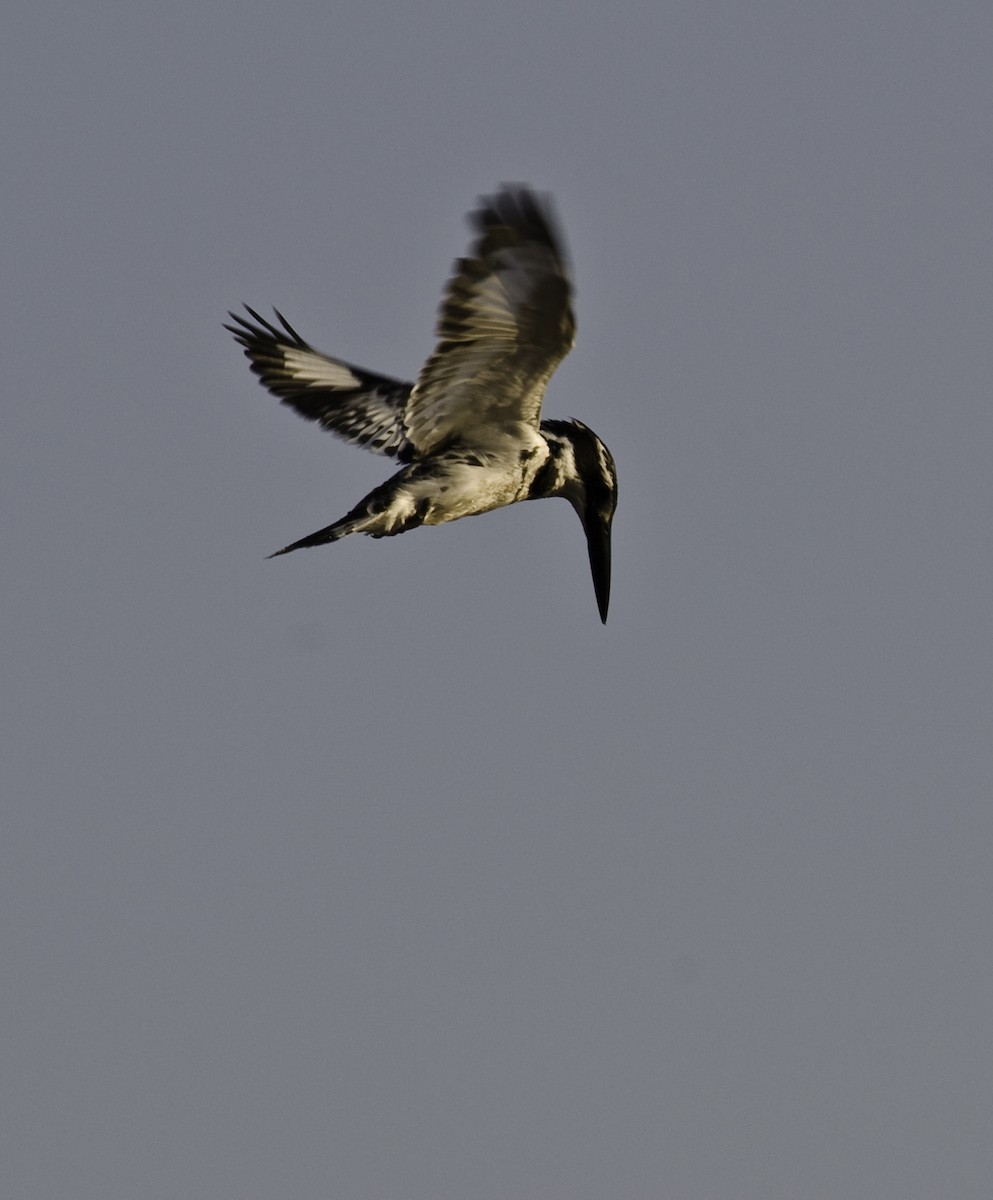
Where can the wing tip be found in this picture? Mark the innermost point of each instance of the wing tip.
(525, 210)
(244, 329)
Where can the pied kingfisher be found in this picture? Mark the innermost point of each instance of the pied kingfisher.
(468, 430)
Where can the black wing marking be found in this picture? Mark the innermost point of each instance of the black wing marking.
(354, 404)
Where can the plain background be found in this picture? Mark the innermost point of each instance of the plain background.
(384, 871)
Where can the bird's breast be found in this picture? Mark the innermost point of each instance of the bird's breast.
(468, 479)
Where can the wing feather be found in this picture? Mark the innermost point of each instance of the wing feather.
(505, 323)
(355, 405)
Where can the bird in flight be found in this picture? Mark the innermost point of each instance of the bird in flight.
(468, 432)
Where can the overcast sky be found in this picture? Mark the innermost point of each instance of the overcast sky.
(384, 871)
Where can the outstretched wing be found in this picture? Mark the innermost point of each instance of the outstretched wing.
(505, 323)
(356, 405)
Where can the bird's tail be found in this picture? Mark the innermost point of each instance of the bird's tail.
(390, 509)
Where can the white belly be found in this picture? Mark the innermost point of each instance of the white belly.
(476, 480)
(458, 482)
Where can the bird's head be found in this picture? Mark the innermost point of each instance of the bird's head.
(589, 483)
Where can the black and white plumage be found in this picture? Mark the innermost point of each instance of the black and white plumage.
(468, 431)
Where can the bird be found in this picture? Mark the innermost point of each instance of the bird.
(468, 432)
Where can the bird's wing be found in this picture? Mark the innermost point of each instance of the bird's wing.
(356, 405)
(505, 323)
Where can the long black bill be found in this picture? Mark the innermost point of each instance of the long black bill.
(598, 541)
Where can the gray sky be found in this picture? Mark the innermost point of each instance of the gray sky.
(383, 871)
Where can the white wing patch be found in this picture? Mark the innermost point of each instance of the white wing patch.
(317, 370)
